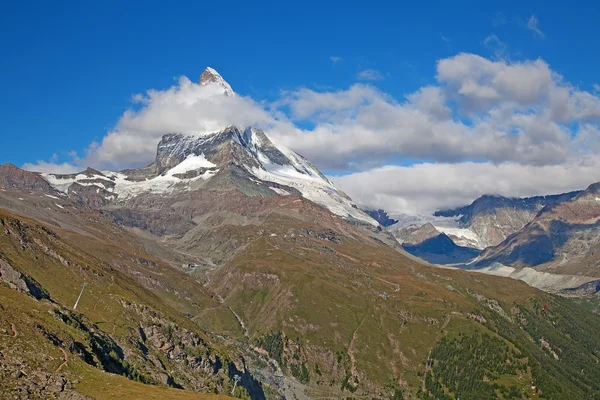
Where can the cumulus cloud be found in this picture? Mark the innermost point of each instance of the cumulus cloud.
(482, 122)
(370, 75)
(423, 188)
(187, 107)
(51, 167)
(480, 109)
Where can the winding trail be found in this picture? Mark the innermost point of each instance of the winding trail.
(14, 330)
(353, 370)
(65, 362)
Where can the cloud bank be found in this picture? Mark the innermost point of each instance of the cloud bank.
(485, 126)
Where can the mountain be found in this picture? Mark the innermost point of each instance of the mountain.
(13, 177)
(563, 237)
(427, 243)
(493, 218)
(245, 158)
(210, 77)
(203, 185)
(229, 256)
(382, 217)
(310, 307)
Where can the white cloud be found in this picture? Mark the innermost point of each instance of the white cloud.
(532, 25)
(519, 112)
(186, 108)
(335, 59)
(370, 75)
(53, 167)
(479, 83)
(445, 39)
(511, 117)
(423, 188)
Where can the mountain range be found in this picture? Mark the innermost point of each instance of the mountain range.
(231, 266)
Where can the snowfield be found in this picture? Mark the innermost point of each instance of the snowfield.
(310, 183)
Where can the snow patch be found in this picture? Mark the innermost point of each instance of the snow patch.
(279, 191)
(463, 236)
(191, 163)
(313, 186)
(162, 184)
(62, 184)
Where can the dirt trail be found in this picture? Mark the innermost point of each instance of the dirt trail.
(65, 362)
(353, 370)
(14, 330)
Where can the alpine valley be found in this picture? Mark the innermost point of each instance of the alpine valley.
(231, 266)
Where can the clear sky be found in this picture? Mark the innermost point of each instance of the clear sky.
(70, 68)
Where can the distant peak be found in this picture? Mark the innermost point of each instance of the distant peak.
(210, 76)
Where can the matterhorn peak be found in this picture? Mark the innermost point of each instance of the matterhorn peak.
(211, 77)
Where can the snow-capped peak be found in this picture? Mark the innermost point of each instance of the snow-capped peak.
(184, 162)
(211, 77)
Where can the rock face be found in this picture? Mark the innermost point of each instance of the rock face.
(494, 218)
(211, 77)
(382, 217)
(562, 234)
(414, 234)
(246, 154)
(13, 177)
(428, 243)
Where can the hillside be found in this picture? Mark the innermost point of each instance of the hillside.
(119, 326)
(324, 308)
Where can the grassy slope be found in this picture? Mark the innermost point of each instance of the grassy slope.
(366, 317)
(357, 318)
(33, 353)
(109, 314)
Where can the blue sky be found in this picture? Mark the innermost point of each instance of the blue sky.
(71, 68)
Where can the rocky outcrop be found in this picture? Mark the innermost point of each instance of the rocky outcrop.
(494, 218)
(13, 177)
(382, 217)
(427, 243)
(90, 195)
(413, 234)
(211, 77)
